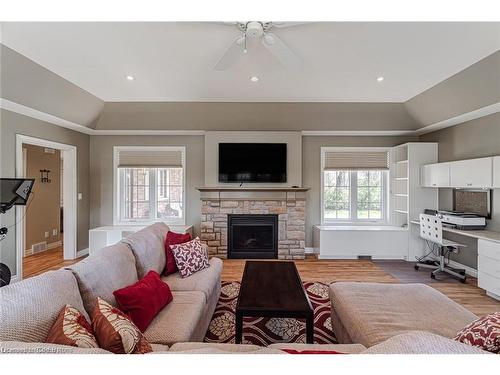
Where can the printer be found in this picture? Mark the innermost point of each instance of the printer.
(462, 220)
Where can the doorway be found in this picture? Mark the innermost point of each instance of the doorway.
(46, 230)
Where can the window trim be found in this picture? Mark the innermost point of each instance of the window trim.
(153, 193)
(385, 189)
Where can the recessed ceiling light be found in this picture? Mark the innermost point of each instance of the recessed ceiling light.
(380, 79)
(254, 79)
(129, 78)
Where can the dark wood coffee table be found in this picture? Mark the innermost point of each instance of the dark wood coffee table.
(273, 290)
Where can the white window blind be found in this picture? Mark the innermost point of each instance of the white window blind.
(356, 160)
(152, 158)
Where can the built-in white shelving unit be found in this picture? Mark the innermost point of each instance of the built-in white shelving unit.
(407, 198)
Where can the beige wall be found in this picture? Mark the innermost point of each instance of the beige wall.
(473, 88)
(311, 168)
(101, 173)
(472, 139)
(11, 124)
(294, 154)
(221, 116)
(27, 83)
(43, 214)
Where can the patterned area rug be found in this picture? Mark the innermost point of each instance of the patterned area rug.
(265, 331)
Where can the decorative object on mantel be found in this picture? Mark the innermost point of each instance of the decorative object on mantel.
(44, 176)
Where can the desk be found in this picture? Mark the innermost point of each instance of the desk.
(487, 235)
(488, 262)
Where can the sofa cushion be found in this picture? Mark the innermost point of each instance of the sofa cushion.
(216, 348)
(190, 257)
(73, 329)
(148, 246)
(18, 347)
(143, 300)
(173, 239)
(420, 342)
(29, 308)
(178, 321)
(204, 281)
(116, 332)
(100, 274)
(483, 333)
(373, 312)
(340, 348)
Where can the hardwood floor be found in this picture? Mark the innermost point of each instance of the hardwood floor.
(327, 271)
(45, 261)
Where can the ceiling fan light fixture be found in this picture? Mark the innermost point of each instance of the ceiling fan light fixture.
(254, 79)
(380, 79)
(129, 78)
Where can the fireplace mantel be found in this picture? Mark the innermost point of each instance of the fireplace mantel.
(247, 188)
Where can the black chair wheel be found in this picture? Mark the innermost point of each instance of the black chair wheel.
(463, 281)
(433, 276)
(416, 267)
(462, 273)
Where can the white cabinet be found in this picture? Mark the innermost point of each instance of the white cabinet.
(488, 267)
(496, 171)
(435, 175)
(472, 173)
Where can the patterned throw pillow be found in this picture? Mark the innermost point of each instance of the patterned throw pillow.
(71, 328)
(483, 333)
(190, 257)
(115, 332)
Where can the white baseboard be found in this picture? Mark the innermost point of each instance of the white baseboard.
(468, 270)
(83, 252)
(53, 245)
(355, 257)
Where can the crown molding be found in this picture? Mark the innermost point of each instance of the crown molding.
(357, 133)
(43, 116)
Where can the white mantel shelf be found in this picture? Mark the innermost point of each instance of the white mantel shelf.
(245, 188)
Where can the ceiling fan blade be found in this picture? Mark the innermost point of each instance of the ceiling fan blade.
(284, 25)
(281, 51)
(232, 54)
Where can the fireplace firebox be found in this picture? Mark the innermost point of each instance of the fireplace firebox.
(252, 236)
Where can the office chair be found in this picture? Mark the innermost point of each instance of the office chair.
(431, 229)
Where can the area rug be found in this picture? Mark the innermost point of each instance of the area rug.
(266, 331)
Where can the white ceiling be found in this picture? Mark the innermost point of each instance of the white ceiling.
(174, 61)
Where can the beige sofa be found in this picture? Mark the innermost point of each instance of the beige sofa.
(364, 315)
(29, 308)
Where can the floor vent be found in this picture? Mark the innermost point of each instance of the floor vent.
(36, 248)
(364, 257)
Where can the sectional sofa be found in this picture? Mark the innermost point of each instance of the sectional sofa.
(29, 308)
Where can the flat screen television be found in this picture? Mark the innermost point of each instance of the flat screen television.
(252, 162)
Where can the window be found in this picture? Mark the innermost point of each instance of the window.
(356, 195)
(150, 185)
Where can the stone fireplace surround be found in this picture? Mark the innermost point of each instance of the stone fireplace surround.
(288, 203)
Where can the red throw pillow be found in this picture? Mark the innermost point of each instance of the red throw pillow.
(115, 332)
(190, 257)
(173, 239)
(293, 351)
(143, 300)
(483, 333)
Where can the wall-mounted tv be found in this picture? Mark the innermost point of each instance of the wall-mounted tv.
(252, 162)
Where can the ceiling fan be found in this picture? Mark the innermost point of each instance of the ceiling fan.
(255, 31)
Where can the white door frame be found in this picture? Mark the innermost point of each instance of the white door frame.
(69, 197)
